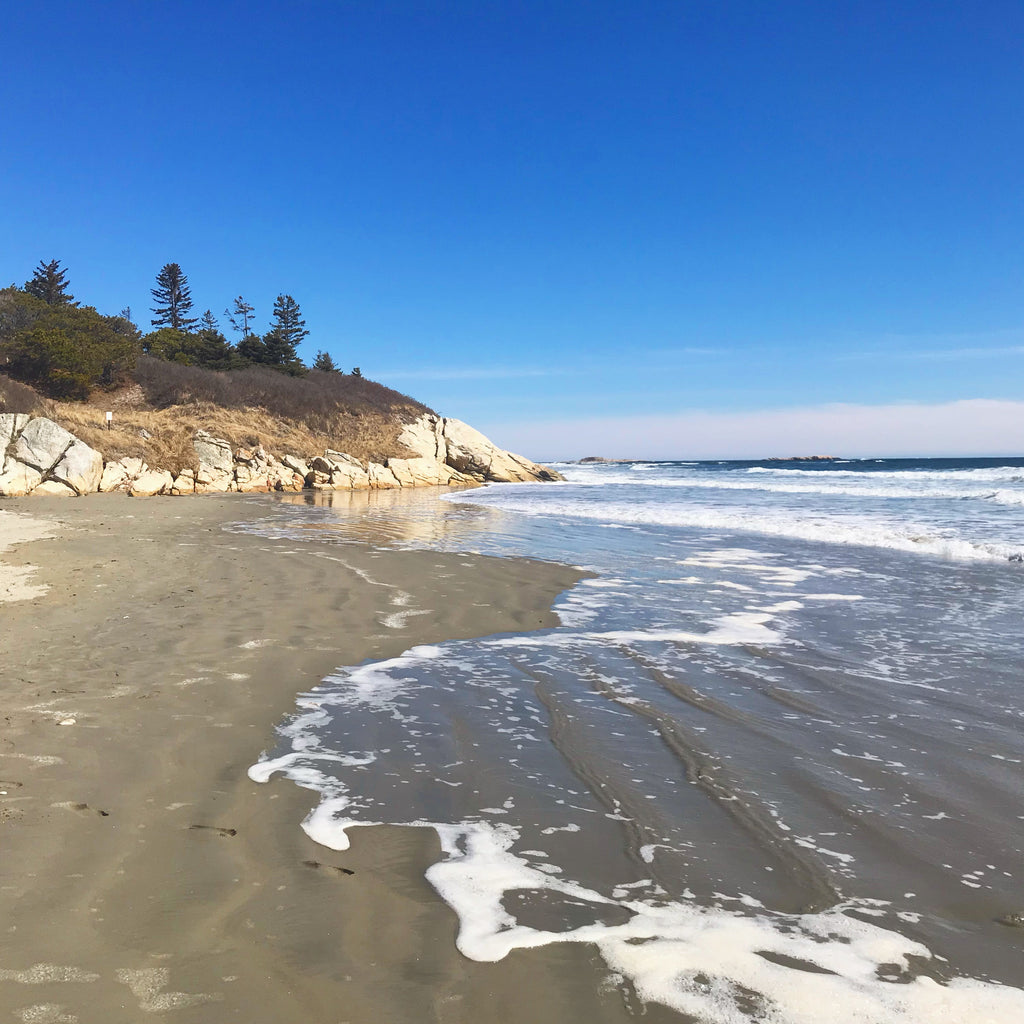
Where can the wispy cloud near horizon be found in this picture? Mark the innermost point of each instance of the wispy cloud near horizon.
(470, 373)
(939, 354)
(961, 428)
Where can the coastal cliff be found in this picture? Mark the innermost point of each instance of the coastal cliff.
(40, 457)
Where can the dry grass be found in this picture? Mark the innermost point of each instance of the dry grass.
(367, 436)
(157, 414)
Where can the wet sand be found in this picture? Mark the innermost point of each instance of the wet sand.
(140, 866)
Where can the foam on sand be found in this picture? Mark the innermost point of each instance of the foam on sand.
(729, 966)
(14, 579)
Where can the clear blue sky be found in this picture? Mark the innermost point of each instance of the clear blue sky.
(522, 212)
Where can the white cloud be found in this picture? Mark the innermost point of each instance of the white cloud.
(969, 427)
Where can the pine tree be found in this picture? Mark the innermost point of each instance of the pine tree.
(210, 348)
(252, 349)
(287, 330)
(288, 322)
(49, 283)
(174, 299)
(239, 315)
(324, 363)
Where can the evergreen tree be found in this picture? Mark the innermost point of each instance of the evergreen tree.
(288, 323)
(252, 349)
(356, 372)
(174, 299)
(325, 363)
(281, 354)
(63, 349)
(50, 283)
(126, 314)
(208, 347)
(287, 330)
(239, 315)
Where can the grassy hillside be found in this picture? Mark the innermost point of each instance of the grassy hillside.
(161, 405)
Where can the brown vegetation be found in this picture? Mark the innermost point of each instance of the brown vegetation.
(156, 417)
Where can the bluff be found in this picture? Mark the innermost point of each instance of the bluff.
(39, 457)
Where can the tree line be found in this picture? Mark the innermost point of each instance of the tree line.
(49, 339)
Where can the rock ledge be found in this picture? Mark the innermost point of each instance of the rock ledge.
(38, 456)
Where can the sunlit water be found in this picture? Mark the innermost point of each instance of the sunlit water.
(772, 757)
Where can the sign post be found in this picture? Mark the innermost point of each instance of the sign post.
(110, 416)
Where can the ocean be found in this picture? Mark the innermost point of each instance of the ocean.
(770, 764)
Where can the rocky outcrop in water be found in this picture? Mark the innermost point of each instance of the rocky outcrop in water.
(39, 457)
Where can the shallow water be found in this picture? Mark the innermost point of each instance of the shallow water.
(757, 769)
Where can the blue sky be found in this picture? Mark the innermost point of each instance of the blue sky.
(548, 219)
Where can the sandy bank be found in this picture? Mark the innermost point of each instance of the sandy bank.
(139, 862)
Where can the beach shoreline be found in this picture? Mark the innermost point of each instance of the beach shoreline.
(142, 868)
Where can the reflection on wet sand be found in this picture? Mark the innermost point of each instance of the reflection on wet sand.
(413, 517)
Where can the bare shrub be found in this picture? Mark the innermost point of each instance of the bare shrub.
(315, 400)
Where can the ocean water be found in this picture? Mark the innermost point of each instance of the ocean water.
(772, 759)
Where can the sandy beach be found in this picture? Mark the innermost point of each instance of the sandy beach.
(146, 661)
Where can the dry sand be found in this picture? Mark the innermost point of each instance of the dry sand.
(141, 871)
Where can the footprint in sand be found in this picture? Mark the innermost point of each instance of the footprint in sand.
(70, 805)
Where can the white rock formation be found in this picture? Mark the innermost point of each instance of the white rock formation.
(37, 456)
(17, 479)
(54, 489)
(468, 452)
(42, 444)
(11, 424)
(154, 481)
(81, 468)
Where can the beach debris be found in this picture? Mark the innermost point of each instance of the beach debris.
(1013, 920)
(225, 833)
(330, 868)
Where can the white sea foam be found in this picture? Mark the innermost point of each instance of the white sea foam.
(868, 529)
(708, 962)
